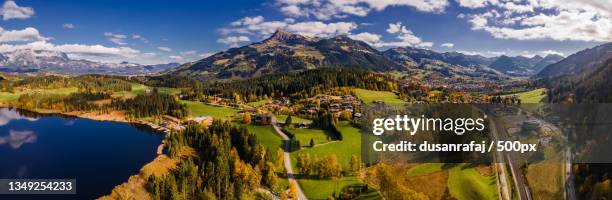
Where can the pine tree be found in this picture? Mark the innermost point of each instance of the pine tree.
(288, 121)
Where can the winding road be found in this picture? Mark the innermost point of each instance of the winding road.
(287, 159)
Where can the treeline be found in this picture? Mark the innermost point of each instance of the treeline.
(78, 101)
(173, 81)
(327, 121)
(154, 104)
(84, 83)
(101, 83)
(297, 85)
(229, 164)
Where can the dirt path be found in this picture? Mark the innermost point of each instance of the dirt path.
(287, 159)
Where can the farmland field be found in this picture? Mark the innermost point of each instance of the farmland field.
(369, 96)
(197, 109)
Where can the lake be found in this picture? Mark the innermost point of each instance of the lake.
(98, 154)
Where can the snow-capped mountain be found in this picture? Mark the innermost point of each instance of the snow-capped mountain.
(26, 60)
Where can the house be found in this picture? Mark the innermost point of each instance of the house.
(262, 119)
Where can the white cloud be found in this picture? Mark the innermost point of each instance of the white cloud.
(257, 26)
(190, 52)
(83, 51)
(394, 28)
(551, 52)
(10, 10)
(116, 38)
(25, 35)
(177, 58)
(139, 37)
(559, 20)
(292, 10)
(369, 38)
(485, 53)
(320, 29)
(166, 49)
(447, 45)
(406, 37)
(68, 26)
(30, 39)
(328, 9)
(233, 40)
(476, 3)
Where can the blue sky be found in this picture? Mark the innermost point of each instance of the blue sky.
(157, 31)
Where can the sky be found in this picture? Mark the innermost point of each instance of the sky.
(157, 31)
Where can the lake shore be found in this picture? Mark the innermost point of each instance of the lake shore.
(134, 187)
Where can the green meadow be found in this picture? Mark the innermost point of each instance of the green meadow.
(533, 96)
(465, 183)
(305, 134)
(369, 96)
(267, 137)
(294, 119)
(197, 109)
(351, 145)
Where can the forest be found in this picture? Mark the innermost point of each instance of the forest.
(229, 164)
(153, 104)
(296, 85)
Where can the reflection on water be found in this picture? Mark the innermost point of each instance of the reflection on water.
(7, 115)
(17, 138)
(98, 154)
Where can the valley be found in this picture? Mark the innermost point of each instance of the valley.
(220, 115)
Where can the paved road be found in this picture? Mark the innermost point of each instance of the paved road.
(287, 159)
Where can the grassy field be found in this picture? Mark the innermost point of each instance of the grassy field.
(258, 103)
(200, 109)
(351, 145)
(533, 96)
(322, 189)
(546, 180)
(369, 96)
(140, 88)
(294, 119)
(425, 169)
(268, 137)
(305, 134)
(6, 97)
(465, 182)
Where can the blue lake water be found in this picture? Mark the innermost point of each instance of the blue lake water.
(98, 154)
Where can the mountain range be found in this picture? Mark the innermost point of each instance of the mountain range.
(27, 60)
(580, 62)
(584, 77)
(284, 52)
(523, 66)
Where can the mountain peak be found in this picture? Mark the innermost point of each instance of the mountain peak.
(282, 35)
